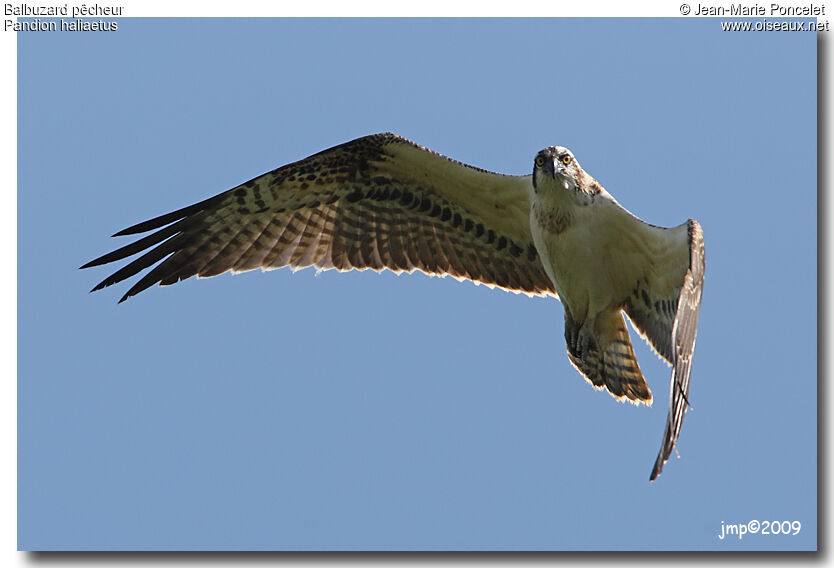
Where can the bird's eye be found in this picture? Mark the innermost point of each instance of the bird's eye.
(539, 161)
(566, 159)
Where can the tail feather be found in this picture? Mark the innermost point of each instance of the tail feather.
(606, 359)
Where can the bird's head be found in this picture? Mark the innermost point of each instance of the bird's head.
(556, 168)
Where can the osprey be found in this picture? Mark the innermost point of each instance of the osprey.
(384, 202)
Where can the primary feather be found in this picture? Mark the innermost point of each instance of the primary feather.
(379, 202)
(384, 202)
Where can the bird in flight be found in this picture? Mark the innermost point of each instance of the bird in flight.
(384, 202)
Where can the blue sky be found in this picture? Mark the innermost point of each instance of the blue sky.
(371, 411)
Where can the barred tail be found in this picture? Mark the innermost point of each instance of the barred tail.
(605, 357)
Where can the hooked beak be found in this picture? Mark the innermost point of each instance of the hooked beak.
(557, 167)
(551, 167)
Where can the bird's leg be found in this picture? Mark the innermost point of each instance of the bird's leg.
(583, 350)
(579, 337)
(586, 343)
(571, 333)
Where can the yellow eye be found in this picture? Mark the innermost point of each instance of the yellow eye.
(539, 161)
(566, 159)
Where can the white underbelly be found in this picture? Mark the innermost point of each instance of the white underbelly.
(585, 270)
(566, 262)
(598, 259)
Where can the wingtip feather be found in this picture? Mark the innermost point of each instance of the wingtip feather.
(658, 467)
(102, 285)
(132, 230)
(95, 262)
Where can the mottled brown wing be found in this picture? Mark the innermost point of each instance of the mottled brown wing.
(683, 339)
(653, 303)
(376, 202)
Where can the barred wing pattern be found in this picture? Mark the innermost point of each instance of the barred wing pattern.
(683, 335)
(663, 307)
(376, 202)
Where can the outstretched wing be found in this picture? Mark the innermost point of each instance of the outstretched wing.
(684, 330)
(376, 202)
(664, 308)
